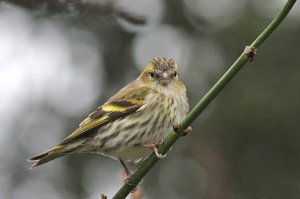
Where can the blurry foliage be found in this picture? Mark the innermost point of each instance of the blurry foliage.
(245, 145)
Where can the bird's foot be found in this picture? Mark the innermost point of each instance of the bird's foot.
(153, 147)
(126, 176)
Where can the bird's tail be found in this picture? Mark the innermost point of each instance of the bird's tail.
(47, 156)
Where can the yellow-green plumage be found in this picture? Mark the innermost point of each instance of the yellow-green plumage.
(141, 113)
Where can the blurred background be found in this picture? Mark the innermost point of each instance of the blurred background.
(59, 60)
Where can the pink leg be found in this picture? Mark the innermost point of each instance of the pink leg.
(153, 147)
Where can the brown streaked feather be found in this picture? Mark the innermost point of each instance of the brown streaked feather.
(79, 133)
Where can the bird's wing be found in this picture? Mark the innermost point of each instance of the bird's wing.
(127, 101)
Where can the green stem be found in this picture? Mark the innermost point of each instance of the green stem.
(201, 105)
(274, 24)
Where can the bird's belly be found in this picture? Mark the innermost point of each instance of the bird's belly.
(132, 150)
(126, 143)
(132, 154)
(124, 137)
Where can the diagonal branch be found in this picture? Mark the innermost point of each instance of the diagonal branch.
(172, 137)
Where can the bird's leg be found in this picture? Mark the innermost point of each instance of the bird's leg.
(153, 147)
(127, 172)
(182, 132)
(127, 175)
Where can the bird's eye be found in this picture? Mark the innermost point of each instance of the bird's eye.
(152, 74)
(175, 74)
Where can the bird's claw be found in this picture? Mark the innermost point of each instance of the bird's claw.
(126, 181)
(158, 155)
(153, 147)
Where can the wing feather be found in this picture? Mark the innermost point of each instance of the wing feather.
(124, 103)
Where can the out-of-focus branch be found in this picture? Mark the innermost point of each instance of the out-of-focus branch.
(79, 8)
(173, 136)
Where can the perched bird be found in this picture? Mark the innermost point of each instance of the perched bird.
(130, 124)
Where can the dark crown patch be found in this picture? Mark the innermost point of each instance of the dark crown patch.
(163, 63)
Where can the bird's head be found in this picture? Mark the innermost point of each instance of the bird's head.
(161, 71)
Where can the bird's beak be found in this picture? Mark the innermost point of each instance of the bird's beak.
(165, 75)
(164, 79)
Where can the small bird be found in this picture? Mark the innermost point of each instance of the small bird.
(133, 122)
